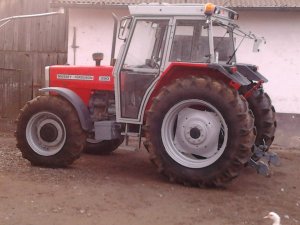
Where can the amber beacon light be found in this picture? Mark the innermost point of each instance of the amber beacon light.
(209, 9)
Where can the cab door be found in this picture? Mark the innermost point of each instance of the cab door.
(140, 65)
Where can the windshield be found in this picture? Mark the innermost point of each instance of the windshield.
(147, 44)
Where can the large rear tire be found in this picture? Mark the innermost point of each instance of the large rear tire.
(199, 132)
(49, 132)
(264, 115)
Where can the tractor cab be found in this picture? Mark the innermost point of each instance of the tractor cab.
(159, 36)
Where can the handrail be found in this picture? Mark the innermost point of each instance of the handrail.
(11, 18)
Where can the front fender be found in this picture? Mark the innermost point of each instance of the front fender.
(81, 109)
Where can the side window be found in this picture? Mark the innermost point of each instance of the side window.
(147, 44)
(190, 42)
(223, 44)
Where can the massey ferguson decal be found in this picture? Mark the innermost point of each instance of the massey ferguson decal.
(104, 78)
(74, 77)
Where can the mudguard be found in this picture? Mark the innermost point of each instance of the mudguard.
(250, 71)
(75, 100)
(236, 77)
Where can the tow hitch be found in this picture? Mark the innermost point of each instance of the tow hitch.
(265, 160)
(254, 88)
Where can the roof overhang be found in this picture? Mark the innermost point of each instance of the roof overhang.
(94, 5)
(125, 3)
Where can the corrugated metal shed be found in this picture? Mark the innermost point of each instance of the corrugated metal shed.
(229, 3)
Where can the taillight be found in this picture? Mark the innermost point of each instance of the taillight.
(233, 69)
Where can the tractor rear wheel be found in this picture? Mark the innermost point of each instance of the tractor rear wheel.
(199, 132)
(264, 114)
(103, 147)
(49, 132)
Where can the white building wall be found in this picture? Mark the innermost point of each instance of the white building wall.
(279, 60)
(94, 34)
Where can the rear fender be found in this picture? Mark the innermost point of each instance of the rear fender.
(81, 109)
(236, 77)
(178, 70)
(250, 72)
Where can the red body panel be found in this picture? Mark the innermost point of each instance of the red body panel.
(176, 70)
(82, 80)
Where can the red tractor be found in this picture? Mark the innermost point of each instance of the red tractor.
(175, 85)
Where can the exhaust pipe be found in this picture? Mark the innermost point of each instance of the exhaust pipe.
(113, 47)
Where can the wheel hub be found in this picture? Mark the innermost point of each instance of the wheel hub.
(197, 132)
(194, 133)
(49, 132)
(46, 133)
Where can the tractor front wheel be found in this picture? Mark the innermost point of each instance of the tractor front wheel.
(199, 132)
(49, 132)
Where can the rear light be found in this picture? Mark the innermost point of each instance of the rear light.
(233, 69)
(235, 85)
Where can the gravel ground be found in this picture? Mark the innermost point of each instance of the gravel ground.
(124, 188)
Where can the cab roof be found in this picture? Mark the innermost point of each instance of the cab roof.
(165, 9)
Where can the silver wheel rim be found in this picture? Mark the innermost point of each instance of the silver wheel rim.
(45, 133)
(194, 133)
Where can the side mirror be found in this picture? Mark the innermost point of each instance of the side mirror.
(257, 44)
(124, 25)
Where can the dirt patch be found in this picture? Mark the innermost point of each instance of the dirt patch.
(124, 188)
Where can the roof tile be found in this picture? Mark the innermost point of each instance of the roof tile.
(228, 3)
